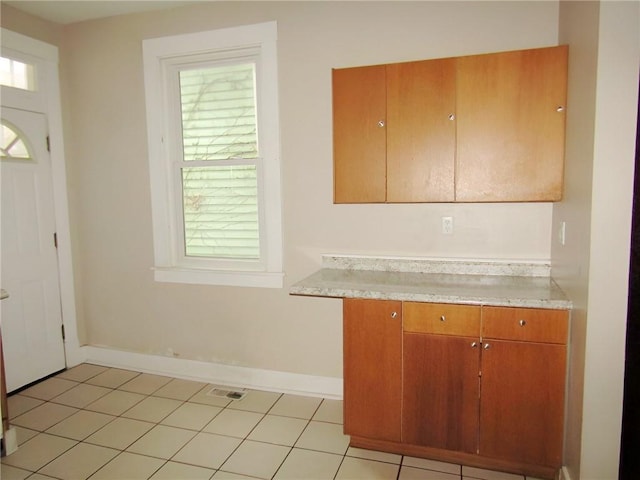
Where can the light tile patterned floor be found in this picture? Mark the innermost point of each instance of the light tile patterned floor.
(111, 424)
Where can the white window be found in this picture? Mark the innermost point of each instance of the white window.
(212, 119)
(17, 74)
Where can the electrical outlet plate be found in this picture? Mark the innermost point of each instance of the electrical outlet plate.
(447, 225)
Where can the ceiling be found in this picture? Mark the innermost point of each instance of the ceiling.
(65, 12)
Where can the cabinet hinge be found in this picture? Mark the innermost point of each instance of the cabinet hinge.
(55, 239)
(48, 144)
(63, 335)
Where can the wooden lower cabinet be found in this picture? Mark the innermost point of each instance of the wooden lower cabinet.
(372, 337)
(523, 383)
(441, 388)
(480, 386)
(522, 402)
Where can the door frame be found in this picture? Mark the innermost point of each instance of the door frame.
(46, 57)
(630, 435)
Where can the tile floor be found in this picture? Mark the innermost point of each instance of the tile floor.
(106, 423)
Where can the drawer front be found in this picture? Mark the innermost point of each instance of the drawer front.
(441, 319)
(525, 324)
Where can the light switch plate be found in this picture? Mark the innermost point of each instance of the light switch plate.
(562, 233)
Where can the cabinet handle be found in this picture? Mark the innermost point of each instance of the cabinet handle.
(486, 346)
(443, 318)
(394, 314)
(452, 116)
(522, 323)
(560, 108)
(381, 123)
(474, 344)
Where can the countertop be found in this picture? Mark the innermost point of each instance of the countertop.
(440, 281)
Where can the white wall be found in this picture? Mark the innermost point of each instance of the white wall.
(593, 266)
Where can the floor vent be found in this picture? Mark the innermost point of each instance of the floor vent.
(222, 393)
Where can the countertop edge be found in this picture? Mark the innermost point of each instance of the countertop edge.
(432, 298)
(522, 291)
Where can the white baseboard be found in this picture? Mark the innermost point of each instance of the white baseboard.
(216, 373)
(563, 474)
(10, 441)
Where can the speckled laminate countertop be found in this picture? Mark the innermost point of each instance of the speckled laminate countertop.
(439, 281)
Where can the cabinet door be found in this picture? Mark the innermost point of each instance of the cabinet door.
(372, 368)
(522, 403)
(441, 390)
(511, 124)
(359, 141)
(421, 132)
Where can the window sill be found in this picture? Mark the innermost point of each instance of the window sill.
(219, 277)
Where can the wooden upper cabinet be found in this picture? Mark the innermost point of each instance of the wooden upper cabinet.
(394, 132)
(421, 132)
(481, 128)
(511, 125)
(359, 139)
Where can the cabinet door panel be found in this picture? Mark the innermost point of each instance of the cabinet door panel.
(421, 139)
(440, 392)
(522, 403)
(372, 368)
(510, 132)
(359, 143)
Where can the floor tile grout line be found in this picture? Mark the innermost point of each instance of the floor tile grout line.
(121, 451)
(308, 422)
(183, 401)
(159, 423)
(249, 433)
(55, 458)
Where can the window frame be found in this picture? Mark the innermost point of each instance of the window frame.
(161, 55)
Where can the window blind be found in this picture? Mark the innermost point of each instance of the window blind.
(219, 168)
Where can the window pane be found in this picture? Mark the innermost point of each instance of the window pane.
(221, 212)
(12, 145)
(219, 112)
(16, 74)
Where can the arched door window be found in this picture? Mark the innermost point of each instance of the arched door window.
(13, 145)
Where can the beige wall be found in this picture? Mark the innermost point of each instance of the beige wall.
(120, 306)
(579, 29)
(29, 25)
(593, 266)
(108, 171)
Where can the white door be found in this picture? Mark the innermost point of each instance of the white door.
(31, 316)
